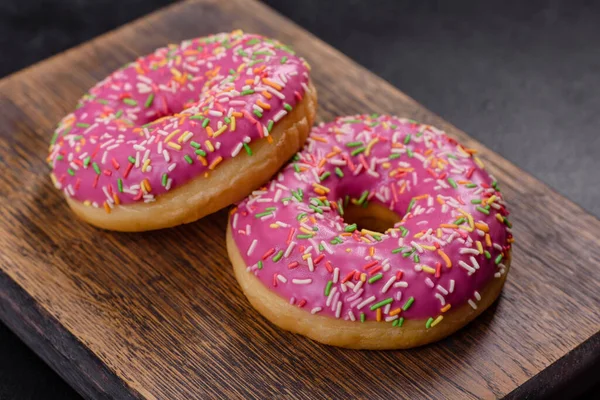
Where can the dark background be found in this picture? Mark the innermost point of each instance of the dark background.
(522, 77)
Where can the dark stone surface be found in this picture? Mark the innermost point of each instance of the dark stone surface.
(523, 77)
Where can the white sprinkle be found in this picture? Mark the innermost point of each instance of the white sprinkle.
(338, 310)
(252, 246)
(315, 310)
(429, 282)
(289, 249)
(441, 299)
(442, 289)
(282, 278)
(472, 304)
(330, 297)
(365, 302)
(466, 266)
(477, 296)
(389, 283)
(451, 286)
(401, 284)
(474, 262)
(336, 274)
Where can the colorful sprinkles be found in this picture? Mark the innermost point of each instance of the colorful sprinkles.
(451, 241)
(174, 115)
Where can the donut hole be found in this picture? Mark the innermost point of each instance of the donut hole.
(373, 217)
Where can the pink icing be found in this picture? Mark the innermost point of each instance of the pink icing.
(105, 153)
(401, 165)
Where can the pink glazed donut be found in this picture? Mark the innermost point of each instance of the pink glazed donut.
(382, 233)
(183, 132)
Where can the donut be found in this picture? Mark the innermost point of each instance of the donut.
(382, 233)
(183, 132)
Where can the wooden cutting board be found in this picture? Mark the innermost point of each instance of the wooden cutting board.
(159, 315)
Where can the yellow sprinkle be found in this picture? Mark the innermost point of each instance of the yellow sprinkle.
(439, 233)
(170, 135)
(370, 146)
(215, 162)
(348, 250)
(368, 232)
(183, 135)
(232, 126)
(428, 247)
(499, 218)
(321, 187)
(428, 269)
(303, 220)
(146, 163)
(209, 146)
(363, 277)
(437, 321)
(478, 162)
(446, 307)
(479, 247)
(308, 232)
(274, 226)
(174, 145)
(220, 131)
(490, 200)
(465, 228)
(418, 235)
(306, 257)
(176, 72)
(87, 203)
(386, 165)
(364, 239)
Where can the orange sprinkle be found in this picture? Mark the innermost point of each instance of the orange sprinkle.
(147, 186)
(440, 200)
(272, 84)
(262, 104)
(451, 226)
(215, 162)
(116, 198)
(445, 258)
(371, 251)
(395, 312)
(237, 114)
(202, 160)
(446, 307)
(266, 94)
(488, 240)
(482, 227)
(423, 196)
(319, 138)
(209, 131)
(107, 207)
(379, 315)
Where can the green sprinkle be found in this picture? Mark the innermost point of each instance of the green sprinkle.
(304, 236)
(483, 210)
(247, 92)
(374, 115)
(195, 145)
(131, 159)
(96, 168)
(476, 201)
(408, 303)
(257, 113)
(410, 205)
(316, 209)
(300, 216)
(188, 159)
(278, 256)
(487, 254)
(197, 116)
(248, 149)
(381, 303)
(407, 139)
(270, 125)
(325, 175)
(355, 144)
(339, 172)
(328, 288)
(409, 152)
(321, 247)
(315, 228)
(227, 120)
(71, 172)
(283, 59)
(400, 322)
(395, 323)
(270, 208)
(397, 250)
(205, 123)
(350, 228)
(428, 323)
(471, 185)
(201, 152)
(393, 156)
(375, 278)
(362, 317)
(259, 264)
(416, 258)
(82, 125)
(498, 259)
(86, 161)
(452, 183)
(404, 231)
(340, 207)
(358, 151)
(149, 100)
(296, 167)
(353, 121)
(252, 63)
(460, 221)
(129, 101)
(165, 178)
(262, 214)
(287, 106)
(120, 185)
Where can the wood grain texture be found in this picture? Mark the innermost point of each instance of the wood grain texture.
(159, 315)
